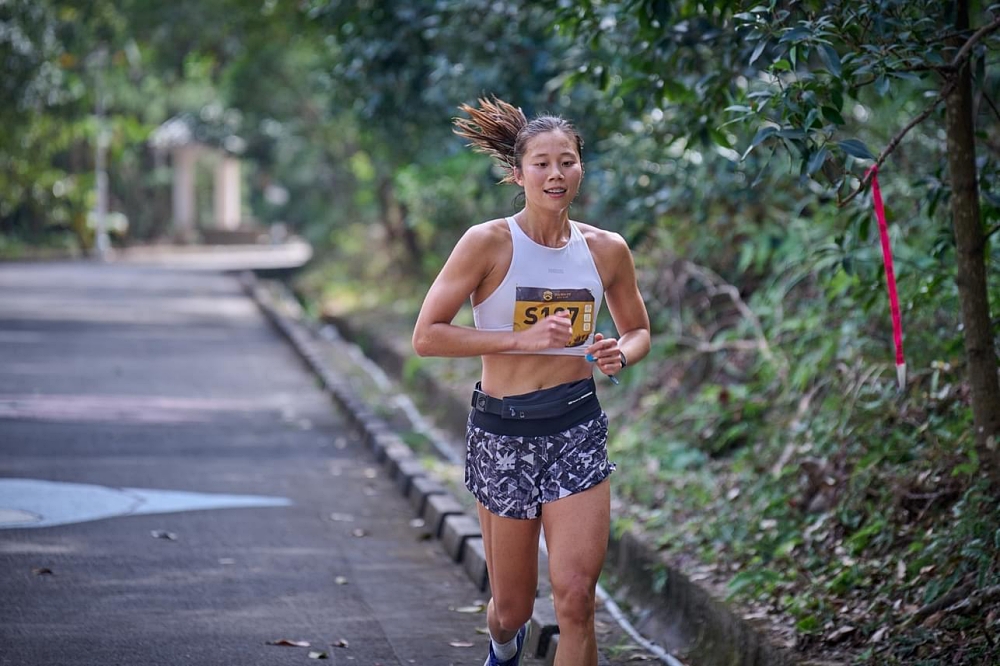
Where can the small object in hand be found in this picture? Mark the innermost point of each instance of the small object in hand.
(614, 380)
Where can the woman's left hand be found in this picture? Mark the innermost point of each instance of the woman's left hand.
(605, 354)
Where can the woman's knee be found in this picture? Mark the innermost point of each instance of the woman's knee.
(511, 613)
(575, 600)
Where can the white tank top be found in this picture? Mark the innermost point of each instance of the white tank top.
(542, 281)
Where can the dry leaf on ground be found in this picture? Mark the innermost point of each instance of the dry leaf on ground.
(284, 642)
(163, 534)
(478, 608)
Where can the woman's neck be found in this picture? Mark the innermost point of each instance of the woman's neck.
(544, 227)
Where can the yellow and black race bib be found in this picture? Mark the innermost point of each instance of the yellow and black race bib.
(533, 304)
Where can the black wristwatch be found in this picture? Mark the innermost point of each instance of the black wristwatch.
(621, 354)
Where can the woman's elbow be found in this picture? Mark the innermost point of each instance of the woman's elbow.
(420, 343)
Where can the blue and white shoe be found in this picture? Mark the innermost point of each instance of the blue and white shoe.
(521, 638)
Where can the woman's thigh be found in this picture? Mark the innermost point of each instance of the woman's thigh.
(576, 534)
(511, 547)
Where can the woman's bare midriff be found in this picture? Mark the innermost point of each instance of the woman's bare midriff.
(516, 374)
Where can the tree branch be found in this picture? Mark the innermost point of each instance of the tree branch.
(955, 595)
(716, 285)
(954, 65)
(704, 347)
(894, 143)
(977, 36)
(991, 104)
(975, 600)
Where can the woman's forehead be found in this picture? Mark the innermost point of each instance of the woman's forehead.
(551, 142)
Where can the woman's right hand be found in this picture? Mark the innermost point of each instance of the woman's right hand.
(552, 332)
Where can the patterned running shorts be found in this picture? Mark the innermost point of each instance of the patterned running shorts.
(512, 476)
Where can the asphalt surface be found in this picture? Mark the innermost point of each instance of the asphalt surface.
(175, 488)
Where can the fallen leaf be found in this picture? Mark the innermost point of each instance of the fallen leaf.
(284, 642)
(478, 608)
(342, 643)
(318, 655)
(43, 571)
(841, 633)
(879, 635)
(461, 644)
(934, 620)
(163, 534)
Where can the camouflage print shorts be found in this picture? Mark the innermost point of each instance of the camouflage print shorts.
(512, 476)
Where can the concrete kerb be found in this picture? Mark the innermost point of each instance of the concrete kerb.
(421, 488)
(444, 516)
(436, 509)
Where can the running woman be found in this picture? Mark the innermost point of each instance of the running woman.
(537, 435)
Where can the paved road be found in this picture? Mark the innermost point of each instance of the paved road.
(176, 489)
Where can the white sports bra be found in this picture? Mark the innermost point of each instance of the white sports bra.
(541, 281)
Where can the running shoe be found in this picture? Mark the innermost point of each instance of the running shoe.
(522, 637)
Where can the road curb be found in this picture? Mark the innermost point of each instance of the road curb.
(444, 516)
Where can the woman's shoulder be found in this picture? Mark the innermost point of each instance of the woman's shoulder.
(487, 233)
(602, 240)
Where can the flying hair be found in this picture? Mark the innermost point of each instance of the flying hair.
(502, 131)
(492, 129)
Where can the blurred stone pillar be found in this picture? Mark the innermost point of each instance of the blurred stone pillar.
(184, 158)
(227, 193)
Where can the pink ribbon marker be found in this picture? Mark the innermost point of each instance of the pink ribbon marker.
(890, 277)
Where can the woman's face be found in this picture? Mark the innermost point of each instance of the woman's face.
(550, 171)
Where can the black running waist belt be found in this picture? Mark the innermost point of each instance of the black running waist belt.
(543, 404)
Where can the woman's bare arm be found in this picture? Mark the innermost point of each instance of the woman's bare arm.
(628, 310)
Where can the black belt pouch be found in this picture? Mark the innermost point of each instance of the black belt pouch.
(548, 403)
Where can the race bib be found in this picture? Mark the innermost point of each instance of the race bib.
(533, 304)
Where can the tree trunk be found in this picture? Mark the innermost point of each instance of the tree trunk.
(970, 245)
(398, 231)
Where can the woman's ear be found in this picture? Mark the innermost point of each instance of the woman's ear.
(517, 176)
